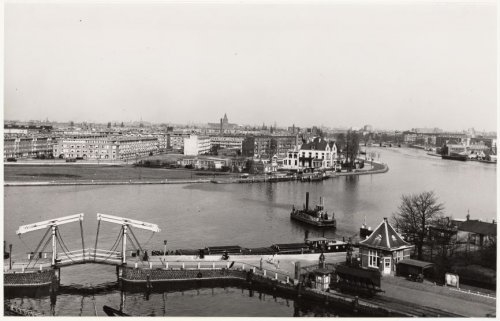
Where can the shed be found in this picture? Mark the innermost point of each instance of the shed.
(410, 266)
(321, 278)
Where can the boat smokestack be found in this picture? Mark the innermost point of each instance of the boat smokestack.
(307, 201)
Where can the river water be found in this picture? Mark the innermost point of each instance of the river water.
(250, 215)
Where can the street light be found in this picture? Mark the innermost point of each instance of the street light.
(164, 249)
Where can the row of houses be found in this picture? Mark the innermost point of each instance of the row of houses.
(316, 154)
(440, 139)
(84, 146)
(272, 151)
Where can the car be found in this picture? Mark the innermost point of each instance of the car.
(11, 159)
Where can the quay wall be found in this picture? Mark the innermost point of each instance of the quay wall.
(290, 288)
(31, 278)
(161, 275)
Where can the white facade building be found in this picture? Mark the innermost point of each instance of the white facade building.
(316, 154)
(196, 145)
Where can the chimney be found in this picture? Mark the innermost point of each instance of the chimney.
(307, 201)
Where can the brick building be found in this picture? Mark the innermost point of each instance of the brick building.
(268, 145)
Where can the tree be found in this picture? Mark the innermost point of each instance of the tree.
(109, 124)
(273, 147)
(341, 142)
(121, 125)
(415, 215)
(442, 238)
(214, 149)
(352, 148)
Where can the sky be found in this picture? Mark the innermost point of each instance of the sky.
(397, 65)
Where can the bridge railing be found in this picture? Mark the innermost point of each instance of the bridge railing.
(88, 255)
(274, 274)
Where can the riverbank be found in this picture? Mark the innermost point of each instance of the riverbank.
(86, 174)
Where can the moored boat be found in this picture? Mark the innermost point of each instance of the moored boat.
(453, 156)
(317, 216)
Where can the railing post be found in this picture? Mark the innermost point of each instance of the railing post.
(150, 265)
(54, 249)
(287, 280)
(243, 267)
(198, 265)
(213, 266)
(166, 265)
(265, 272)
(124, 245)
(227, 265)
(183, 265)
(276, 276)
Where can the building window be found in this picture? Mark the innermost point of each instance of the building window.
(372, 258)
(398, 256)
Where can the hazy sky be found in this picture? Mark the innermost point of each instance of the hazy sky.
(392, 65)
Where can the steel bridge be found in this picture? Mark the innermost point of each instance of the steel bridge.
(61, 255)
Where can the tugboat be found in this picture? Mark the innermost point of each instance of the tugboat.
(317, 217)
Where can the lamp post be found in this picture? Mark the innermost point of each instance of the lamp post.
(164, 249)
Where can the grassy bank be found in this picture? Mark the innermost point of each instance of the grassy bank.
(38, 173)
(85, 173)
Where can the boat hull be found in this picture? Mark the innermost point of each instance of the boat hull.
(319, 223)
(455, 157)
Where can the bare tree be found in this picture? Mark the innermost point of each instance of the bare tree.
(415, 215)
(352, 148)
(442, 237)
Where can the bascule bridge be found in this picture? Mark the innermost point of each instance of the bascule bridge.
(57, 254)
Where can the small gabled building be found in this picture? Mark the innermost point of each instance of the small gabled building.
(383, 249)
(316, 154)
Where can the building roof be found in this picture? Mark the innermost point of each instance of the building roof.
(385, 237)
(316, 144)
(478, 227)
(417, 263)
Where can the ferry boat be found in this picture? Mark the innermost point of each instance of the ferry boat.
(317, 216)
